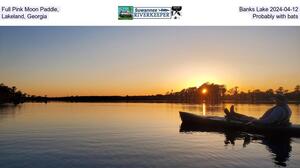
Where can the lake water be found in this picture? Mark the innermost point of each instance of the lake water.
(132, 135)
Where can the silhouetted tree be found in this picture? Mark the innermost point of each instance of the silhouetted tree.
(280, 90)
(11, 95)
(297, 89)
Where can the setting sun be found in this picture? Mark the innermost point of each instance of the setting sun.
(204, 91)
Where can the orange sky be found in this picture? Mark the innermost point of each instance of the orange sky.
(65, 61)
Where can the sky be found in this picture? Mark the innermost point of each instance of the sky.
(65, 61)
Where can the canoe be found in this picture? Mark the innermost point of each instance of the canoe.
(196, 122)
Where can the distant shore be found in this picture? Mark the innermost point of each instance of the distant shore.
(208, 93)
(142, 99)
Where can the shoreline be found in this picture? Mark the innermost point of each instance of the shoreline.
(153, 101)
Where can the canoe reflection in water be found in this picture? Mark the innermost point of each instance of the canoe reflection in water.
(279, 146)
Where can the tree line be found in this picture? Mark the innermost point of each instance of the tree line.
(208, 92)
(215, 93)
(258, 95)
(11, 95)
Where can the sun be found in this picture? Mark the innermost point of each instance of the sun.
(204, 91)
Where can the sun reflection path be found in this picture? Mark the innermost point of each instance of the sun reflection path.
(203, 109)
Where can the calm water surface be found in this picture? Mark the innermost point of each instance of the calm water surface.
(132, 135)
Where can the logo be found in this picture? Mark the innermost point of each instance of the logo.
(130, 12)
(176, 12)
(125, 12)
(152, 13)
